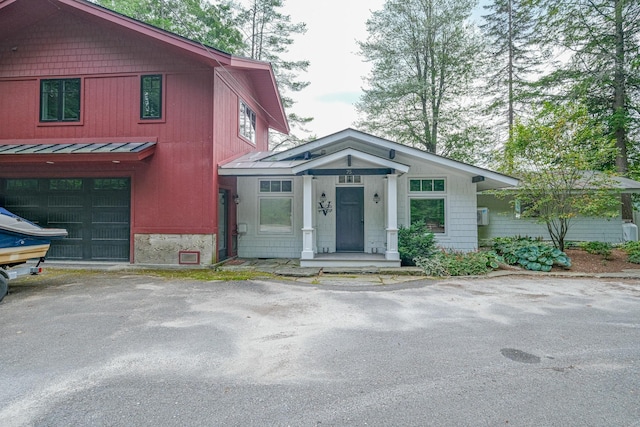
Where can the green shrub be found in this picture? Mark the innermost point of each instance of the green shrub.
(529, 253)
(459, 263)
(633, 251)
(597, 248)
(415, 241)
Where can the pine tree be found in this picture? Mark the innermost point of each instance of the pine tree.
(268, 35)
(603, 39)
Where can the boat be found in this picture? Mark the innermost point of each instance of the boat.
(22, 240)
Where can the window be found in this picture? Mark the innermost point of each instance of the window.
(151, 97)
(60, 100)
(69, 184)
(275, 186)
(276, 215)
(349, 179)
(426, 185)
(431, 211)
(247, 122)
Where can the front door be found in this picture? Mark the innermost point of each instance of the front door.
(350, 219)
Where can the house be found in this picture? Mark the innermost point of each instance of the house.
(113, 129)
(339, 200)
(503, 219)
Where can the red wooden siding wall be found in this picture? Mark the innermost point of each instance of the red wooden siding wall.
(173, 191)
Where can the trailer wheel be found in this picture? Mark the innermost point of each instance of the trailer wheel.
(4, 286)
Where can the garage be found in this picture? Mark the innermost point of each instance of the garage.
(96, 212)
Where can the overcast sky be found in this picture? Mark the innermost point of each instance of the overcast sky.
(336, 71)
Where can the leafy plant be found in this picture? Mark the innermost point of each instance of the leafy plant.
(459, 263)
(530, 254)
(597, 248)
(415, 241)
(633, 251)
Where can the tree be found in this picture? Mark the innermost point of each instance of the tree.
(424, 55)
(557, 155)
(603, 39)
(268, 35)
(199, 20)
(514, 56)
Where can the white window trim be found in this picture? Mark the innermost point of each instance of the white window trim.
(292, 216)
(436, 196)
(242, 122)
(432, 178)
(350, 184)
(278, 195)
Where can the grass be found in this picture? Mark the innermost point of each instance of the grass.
(186, 274)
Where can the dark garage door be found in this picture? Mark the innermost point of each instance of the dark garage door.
(95, 212)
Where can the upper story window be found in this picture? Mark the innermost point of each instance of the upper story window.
(426, 185)
(151, 97)
(60, 100)
(247, 122)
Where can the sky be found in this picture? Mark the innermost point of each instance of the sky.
(336, 72)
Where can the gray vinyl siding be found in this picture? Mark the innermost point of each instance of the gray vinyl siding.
(503, 223)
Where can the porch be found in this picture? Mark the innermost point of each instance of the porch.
(345, 263)
(349, 259)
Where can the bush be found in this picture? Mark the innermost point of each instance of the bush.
(415, 241)
(459, 263)
(633, 251)
(529, 253)
(597, 248)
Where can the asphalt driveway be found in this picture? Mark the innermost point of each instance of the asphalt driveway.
(119, 349)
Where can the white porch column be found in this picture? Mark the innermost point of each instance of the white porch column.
(392, 218)
(307, 217)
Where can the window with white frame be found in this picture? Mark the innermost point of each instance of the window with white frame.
(247, 122)
(275, 186)
(427, 185)
(349, 179)
(431, 211)
(427, 203)
(275, 206)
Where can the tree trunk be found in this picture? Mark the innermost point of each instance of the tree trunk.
(619, 109)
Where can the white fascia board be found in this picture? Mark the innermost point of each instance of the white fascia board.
(324, 160)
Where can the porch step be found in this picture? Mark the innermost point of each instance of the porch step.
(347, 260)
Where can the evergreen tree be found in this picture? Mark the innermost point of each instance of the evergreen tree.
(199, 20)
(602, 38)
(424, 55)
(268, 35)
(514, 56)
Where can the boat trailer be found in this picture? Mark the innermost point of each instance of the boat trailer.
(10, 272)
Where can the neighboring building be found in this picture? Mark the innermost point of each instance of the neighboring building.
(339, 200)
(113, 129)
(504, 220)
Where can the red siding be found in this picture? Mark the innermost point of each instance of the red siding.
(175, 190)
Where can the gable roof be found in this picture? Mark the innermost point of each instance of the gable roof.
(350, 142)
(18, 14)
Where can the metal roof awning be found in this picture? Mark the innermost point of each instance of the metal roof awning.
(74, 152)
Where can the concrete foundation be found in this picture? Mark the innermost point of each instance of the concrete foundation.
(164, 249)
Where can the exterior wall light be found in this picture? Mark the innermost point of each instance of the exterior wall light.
(236, 199)
(376, 198)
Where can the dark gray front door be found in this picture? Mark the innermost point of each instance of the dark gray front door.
(350, 219)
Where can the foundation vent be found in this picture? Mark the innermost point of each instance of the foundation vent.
(189, 257)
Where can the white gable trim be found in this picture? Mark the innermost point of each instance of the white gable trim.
(498, 180)
(324, 160)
